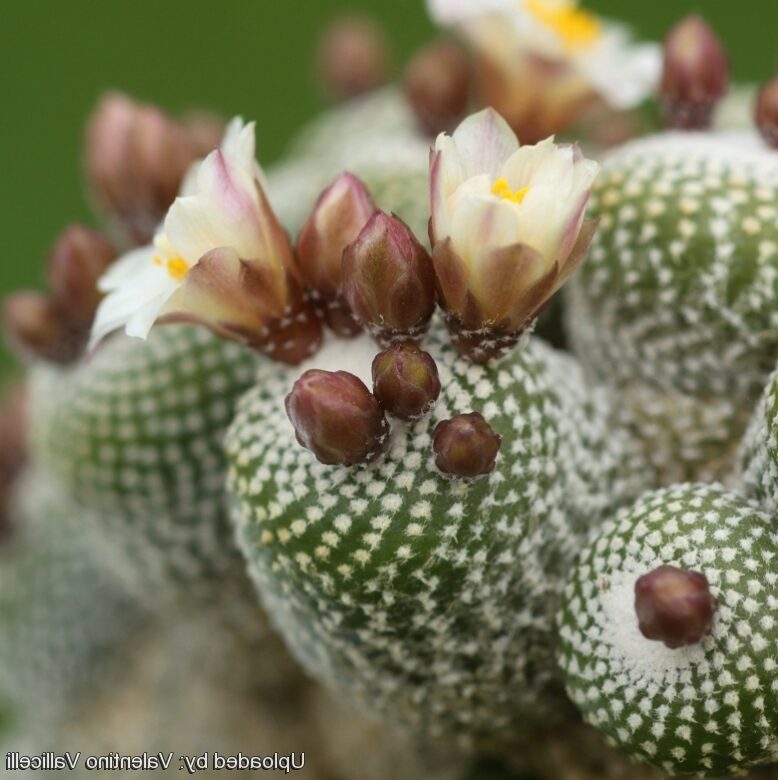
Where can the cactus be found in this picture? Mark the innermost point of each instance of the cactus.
(759, 455)
(675, 306)
(708, 708)
(425, 600)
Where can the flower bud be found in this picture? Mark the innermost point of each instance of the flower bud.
(405, 381)
(388, 280)
(13, 450)
(36, 328)
(136, 158)
(767, 112)
(437, 86)
(674, 606)
(77, 261)
(465, 446)
(205, 131)
(695, 76)
(337, 219)
(337, 418)
(353, 57)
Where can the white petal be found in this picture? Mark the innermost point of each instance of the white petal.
(484, 142)
(127, 268)
(447, 12)
(482, 223)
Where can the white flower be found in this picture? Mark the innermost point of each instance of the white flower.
(220, 258)
(558, 31)
(507, 221)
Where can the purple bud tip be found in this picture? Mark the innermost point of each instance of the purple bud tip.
(35, 327)
(405, 381)
(77, 261)
(465, 446)
(437, 86)
(674, 606)
(767, 112)
(337, 418)
(695, 76)
(388, 280)
(353, 57)
(338, 217)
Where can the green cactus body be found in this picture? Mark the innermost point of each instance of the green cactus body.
(65, 622)
(135, 434)
(374, 138)
(426, 600)
(709, 708)
(759, 456)
(676, 304)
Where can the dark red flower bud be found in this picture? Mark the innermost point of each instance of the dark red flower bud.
(13, 450)
(37, 328)
(337, 418)
(353, 57)
(336, 221)
(388, 280)
(437, 86)
(767, 112)
(696, 74)
(405, 381)
(77, 261)
(136, 158)
(465, 446)
(674, 606)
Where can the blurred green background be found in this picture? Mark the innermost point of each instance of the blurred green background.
(252, 57)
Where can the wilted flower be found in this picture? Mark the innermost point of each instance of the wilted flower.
(767, 112)
(437, 86)
(544, 62)
(507, 229)
(674, 606)
(136, 158)
(337, 219)
(353, 57)
(335, 416)
(405, 381)
(465, 446)
(696, 74)
(221, 259)
(388, 281)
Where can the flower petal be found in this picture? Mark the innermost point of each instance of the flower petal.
(484, 141)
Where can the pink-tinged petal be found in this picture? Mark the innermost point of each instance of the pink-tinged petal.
(572, 229)
(484, 142)
(533, 300)
(579, 251)
(440, 225)
(452, 275)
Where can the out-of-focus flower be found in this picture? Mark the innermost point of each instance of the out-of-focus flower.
(136, 158)
(465, 446)
(221, 259)
(388, 280)
(353, 57)
(507, 229)
(337, 219)
(695, 76)
(438, 83)
(336, 417)
(543, 63)
(767, 112)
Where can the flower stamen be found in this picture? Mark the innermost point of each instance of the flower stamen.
(577, 29)
(177, 267)
(503, 190)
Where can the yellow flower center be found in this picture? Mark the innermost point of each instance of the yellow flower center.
(177, 267)
(503, 190)
(576, 28)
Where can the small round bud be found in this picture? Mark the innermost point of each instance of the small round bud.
(35, 327)
(353, 57)
(388, 280)
(405, 381)
(437, 86)
(767, 112)
(695, 76)
(337, 219)
(465, 446)
(674, 606)
(336, 417)
(77, 261)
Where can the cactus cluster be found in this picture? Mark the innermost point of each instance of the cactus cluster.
(341, 497)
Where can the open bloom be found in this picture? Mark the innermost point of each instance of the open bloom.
(543, 62)
(221, 259)
(507, 228)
